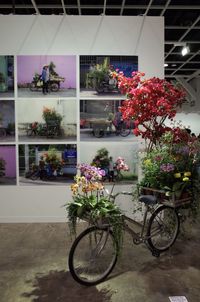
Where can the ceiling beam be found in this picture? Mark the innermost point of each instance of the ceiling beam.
(148, 8)
(188, 60)
(104, 7)
(179, 62)
(49, 6)
(179, 27)
(182, 42)
(79, 7)
(164, 9)
(122, 7)
(185, 33)
(35, 7)
(63, 6)
(194, 75)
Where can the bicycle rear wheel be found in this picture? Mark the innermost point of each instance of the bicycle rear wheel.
(124, 130)
(93, 256)
(163, 228)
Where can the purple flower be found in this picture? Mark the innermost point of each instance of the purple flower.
(91, 173)
(167, 167)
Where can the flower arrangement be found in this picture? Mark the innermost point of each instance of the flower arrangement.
(149, 102)
(90, 202)
(120, 164)
(51, 158)
(171, 153)
(50, 114)
(170, 166)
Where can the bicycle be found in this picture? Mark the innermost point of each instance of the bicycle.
(94, 254)
(101, 129)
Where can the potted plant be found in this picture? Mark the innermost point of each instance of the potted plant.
(91, 204)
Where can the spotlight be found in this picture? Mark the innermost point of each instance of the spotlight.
(165, 65)
(185, 50)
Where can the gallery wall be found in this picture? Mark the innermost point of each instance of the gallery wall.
(71, 36)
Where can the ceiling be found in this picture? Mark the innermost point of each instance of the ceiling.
(182, 23)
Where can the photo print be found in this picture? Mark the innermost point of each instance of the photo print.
(101, 120)
(7, 165)
(47, 164)
(119, 161)
(47, 120)
(7, 121)
(46, 76)
(96, 78)
(6, 76)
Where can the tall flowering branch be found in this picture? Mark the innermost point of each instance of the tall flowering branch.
(149, 102)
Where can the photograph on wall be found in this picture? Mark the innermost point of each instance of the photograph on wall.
(7, 165)
(119, 161)
(47, 164)
(6, 76)
(46, 120)
(7, 121)
(46, 76)
(96, 74)
(101, 120)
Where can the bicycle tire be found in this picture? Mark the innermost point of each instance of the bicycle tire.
(33, 86)
(124, 131)
(93, 256)
(35, 175)
(54, 87)
(163, 223)
(98, 132)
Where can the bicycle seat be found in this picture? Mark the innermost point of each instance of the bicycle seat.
(148, 199)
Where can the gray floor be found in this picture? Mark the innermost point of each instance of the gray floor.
(33, 267)
(26, 93)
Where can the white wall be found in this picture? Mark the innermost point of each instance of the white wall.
(80, 35)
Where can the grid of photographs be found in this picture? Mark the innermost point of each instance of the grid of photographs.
(45, 118)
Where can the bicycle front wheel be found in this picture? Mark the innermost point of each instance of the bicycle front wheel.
(93, 256)
(163, 228)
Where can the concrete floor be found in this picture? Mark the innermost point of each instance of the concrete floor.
(26, 93)
(33, 267)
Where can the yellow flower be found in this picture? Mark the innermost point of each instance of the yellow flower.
(188, 174)
(177, 175)
(186, 179)
(147, 162)
(74, 188)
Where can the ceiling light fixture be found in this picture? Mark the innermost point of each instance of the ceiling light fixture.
(165, 65)
(185, 50)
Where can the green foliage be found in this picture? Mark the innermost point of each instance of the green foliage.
(97, 210)
(50, 114)
(100, 71)
(170, 166)
(101, 159)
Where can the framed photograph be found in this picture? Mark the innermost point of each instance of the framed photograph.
(119, 161)
(47, 164)
(7, 121)
(7, 165)
(96, 78)
(46, 76)
(47, 120)
(6, 76)
(101, 120)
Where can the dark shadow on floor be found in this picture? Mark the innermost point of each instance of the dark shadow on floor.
(60, 286)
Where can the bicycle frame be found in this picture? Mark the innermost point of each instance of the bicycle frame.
(137, 237)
